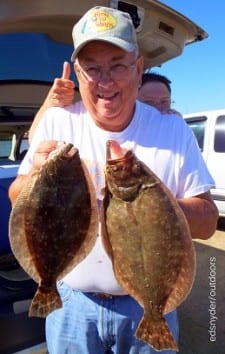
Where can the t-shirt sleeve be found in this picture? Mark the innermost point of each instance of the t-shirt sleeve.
(195, 177)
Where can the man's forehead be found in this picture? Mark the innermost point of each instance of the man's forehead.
(94, 49)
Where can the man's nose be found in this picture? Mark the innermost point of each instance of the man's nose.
(105, 77)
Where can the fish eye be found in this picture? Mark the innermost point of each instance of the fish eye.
(137, 168)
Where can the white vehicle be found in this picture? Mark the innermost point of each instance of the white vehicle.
(209, 129)
(35, 39)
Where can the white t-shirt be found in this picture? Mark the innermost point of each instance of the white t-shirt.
(163, 142)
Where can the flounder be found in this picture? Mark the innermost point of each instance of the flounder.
(149, 241)
(54, 224)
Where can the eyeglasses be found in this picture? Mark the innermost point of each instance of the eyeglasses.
(165, 102)
(117, 72)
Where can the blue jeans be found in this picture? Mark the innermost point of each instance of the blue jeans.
(87, 324)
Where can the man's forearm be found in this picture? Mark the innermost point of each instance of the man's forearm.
(16, 187)
(201, 214)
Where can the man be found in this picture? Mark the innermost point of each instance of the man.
(155, 90)
(97, 316)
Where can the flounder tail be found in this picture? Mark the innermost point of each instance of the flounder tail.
(45, 301)
(156, 334)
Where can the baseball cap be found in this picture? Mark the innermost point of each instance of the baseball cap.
(104, 24)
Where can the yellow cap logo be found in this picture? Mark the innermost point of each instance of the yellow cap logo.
(103, 20)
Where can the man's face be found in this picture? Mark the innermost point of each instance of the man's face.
(155, 93)
(108, 81)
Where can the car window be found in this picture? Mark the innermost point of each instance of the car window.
(5, 145)
(14, 125)
(12, 147)
(198, 124)
(23, 146)
(219, 142)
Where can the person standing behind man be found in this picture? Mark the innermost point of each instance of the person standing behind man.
(97, 316)
(155, 90)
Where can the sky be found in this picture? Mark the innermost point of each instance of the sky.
(198, 74)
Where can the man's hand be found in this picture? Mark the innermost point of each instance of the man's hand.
(62, 92)
(42, 152)
(172, 111)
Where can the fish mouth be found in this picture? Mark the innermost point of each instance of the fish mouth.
(63, 150)
(69, 151)
(115, 153)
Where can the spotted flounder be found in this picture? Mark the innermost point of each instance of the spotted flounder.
(149, 241)
(54, 224)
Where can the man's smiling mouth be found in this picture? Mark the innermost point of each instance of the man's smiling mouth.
(106, 97)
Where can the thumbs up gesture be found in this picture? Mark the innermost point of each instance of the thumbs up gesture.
(60, 94)
(62, 91)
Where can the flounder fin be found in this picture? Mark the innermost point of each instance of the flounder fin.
(44, 302)
(156, 334)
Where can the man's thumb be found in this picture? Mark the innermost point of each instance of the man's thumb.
(66, 70)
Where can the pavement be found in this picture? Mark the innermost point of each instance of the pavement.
(202, 315)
